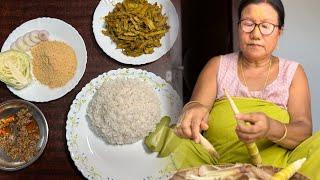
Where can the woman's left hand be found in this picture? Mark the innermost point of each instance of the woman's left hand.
(259, 128)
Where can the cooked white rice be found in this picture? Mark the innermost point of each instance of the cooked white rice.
(124, 111)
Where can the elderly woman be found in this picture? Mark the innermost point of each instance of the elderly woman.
(271, 92)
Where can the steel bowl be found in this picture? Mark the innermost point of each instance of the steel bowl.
(11, 107)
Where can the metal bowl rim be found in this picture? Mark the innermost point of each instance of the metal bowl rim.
(44, 144)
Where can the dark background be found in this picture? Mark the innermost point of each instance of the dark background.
(207, 28)
(207, 32)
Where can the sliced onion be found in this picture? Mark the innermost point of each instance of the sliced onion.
(27, 40)
(34, 36)
(43, 35)
(21, 45)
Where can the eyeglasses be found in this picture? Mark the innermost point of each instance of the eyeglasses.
(265, 28)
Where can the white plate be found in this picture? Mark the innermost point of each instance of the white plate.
(58, 30)
(109, 47)
(98, 160)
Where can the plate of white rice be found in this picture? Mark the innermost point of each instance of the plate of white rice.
(104, 149)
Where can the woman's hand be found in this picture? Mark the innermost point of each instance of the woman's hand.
(259, 128)
(193, 120)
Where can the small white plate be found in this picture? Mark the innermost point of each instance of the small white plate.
(109, 47)
(99, 160)
(60, 31)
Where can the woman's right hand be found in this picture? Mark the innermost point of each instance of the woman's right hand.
(193, 120)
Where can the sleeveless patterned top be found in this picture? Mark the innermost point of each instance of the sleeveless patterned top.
(276, 91)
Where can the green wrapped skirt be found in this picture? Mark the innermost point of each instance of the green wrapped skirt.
(185, 153)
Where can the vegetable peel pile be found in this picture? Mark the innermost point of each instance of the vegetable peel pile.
(161, 140)
(136, 27)
(240, 171)
(15, 69)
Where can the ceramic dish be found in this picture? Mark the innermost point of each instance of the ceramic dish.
(106, 44)
(60, 31)
(98, 160)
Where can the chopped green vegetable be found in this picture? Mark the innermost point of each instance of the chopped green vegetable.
(155, 139)
(15, 69)
(184, 153)
(136, 26)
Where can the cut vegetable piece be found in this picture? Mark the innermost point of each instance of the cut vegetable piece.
(205, 144)
(43, 35)
(251, 147)
(153, 139)
(289, 171)
(209, 147)
(34, 36)
(15, 69)
(27, 40)
(21, 45)
(14, 47)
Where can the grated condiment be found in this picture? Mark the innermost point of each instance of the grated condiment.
(54, 63)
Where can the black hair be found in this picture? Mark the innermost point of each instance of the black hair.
(276, 4)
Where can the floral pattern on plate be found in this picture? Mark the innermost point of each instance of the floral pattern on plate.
(98, 160)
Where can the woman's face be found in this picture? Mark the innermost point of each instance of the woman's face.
(255, 45)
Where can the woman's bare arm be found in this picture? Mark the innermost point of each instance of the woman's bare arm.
(299, 107)
(205, 89)
(195, 115)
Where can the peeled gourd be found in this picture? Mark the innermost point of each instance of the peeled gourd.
(15, 69)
